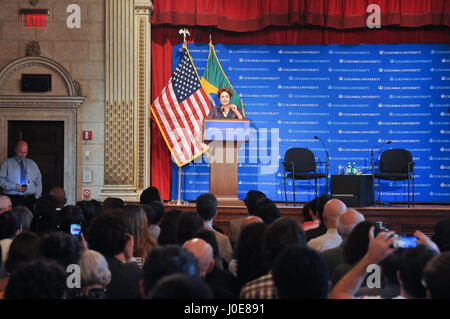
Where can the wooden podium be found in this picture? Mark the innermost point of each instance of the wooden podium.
(224, 138)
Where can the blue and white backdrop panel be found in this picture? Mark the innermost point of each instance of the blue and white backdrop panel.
(354, 97)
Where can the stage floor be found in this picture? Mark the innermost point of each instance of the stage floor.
(398, 217)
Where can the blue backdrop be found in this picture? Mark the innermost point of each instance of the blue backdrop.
(354, 97)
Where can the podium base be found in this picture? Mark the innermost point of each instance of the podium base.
(227, 201)
(178, 202)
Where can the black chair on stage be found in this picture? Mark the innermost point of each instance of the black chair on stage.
(300, 163)
(396, 165)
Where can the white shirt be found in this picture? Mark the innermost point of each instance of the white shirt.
(10, 176)
(331, 239)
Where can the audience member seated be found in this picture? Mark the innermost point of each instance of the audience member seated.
(181, 286)
(136, 225)
(38, 279)
(46, 219)
(317, 209)
(107, 235)
(300, 273)
(283, 232)
(5, 204)
(188, 224)
(24, 248)
(217, 276)
(250, 202)
(389, 285)
(410, 272)
(25, 216)
(311, 218)
(9, 228)
(345, 224)
(232, 267)
(46, 222)
(205, 257)
(90, 209)
(331, 239)
(167, 226)
(413, 261)
(154, 211)
(437, 277)
(166, 260)
(69, 215)
(442, 235)
(44, 203)
(61, 248)
(59, 195)
(267, 210)
(95, 275)
(354, 249)
(113, 203)
(149, 195)
(250, 254)
(207, 209)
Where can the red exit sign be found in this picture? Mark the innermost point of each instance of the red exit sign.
(34, 18)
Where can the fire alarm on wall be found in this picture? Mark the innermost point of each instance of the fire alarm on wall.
(86, 193)
(87, 135)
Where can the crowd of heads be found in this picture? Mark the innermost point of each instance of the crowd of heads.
(142, 250)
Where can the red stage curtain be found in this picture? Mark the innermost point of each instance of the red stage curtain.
(251, 15)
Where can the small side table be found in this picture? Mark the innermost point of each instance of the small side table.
(360, 186)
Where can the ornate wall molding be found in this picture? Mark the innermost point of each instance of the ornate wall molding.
(33, 49)
(143, 34)
(37, 61)
(38, 102)
(127, 91)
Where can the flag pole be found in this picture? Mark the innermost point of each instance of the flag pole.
(184, 32)
(178, 201)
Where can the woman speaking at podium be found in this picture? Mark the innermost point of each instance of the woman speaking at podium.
(225, 110)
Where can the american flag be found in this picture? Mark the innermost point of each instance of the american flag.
(179, 112)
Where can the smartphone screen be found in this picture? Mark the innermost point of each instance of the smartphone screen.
(75, 229)
(405, 241)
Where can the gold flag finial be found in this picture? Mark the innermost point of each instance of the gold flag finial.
(184, 32)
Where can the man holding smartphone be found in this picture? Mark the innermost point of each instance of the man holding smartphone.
(20, 177)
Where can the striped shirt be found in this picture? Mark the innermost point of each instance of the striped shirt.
(260, 288)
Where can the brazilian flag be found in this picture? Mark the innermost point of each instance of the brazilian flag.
(214, 78)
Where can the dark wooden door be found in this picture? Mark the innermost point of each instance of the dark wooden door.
(45, 146)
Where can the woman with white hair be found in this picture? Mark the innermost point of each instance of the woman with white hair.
(95, 275)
